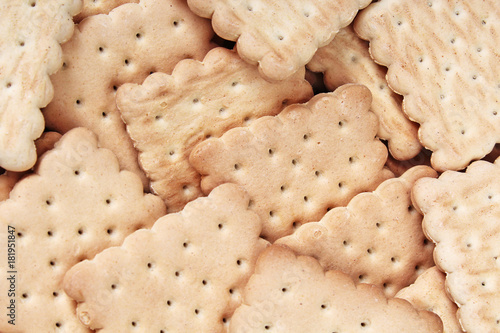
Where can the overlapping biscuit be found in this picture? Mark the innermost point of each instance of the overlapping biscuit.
(30, 34)
(429, 293)
(94, 7)
(280, 37)
(448, 72)
(298, 164)
(109, 50)
(168, 115)
(347, 60)
(76, 204)
(400, 167)
(289, 293)
(186, 274)
(376, 239)
(462, 216)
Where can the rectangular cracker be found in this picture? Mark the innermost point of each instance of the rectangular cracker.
(186, 274)
(124, 46)
(376, 239)
(448, 72)
(30, 34)
(347, 60)
(168, 115)
(76, 204)
(462, 216)
(281, 37)
(289, 293)
(429, 293)
(296, 165)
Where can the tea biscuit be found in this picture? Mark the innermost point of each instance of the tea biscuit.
(429, 293)
(279, 37)
(448, 72)
(30, 34)
(376, 239)
(347, 60)
(462, 216)
(8, 179)
(186, 274)
(76, 204)
(289, 293)
(109, 50)
(94, 7)
(296, 165)
(169, 114)
(400, 167)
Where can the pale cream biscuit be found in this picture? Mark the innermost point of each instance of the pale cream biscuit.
(281, 37)
(376, 239)
(298, 164)
(30, 34)
(109, 50)
(94, 7)
(462, 216)
(168, 115)
(443, 58)
(400, 167)
(76, 204)
(429, 293)
(347, 60)
(289, 293)
(186, 274)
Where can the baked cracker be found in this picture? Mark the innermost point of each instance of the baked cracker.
(109, 50)
(184, 275)
(289, 293)
(296, 165)
(376, 239)
(429, 293)
(347, 60)
(462, 216)
(279, 37)
(168, 115)
(400, 167)
(94, 7)
(30, 34)
(448, 72)
(76, 204)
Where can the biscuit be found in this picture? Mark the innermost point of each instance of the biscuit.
(109, 50)
(347, 60)
(168, 115)
(429, 293)
(94, 7)
(462, 216)
(186, 274)
(30, 34)
(448, 72)
(8, 179)
(289, 293)
(298, 164)
(400, 167)
(76, 204)
(376, 239)
(279, 37)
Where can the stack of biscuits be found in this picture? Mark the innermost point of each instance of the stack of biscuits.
(249, 166)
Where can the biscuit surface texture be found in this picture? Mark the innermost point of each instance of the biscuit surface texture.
(347, 60)
(94, 7)
(186, 274)
(462, 216)
(76, 204)
(280, 36)
(109, 50)
(429, 293)
(296, 165)
(30, 34)
(448, 72)
(289, 293)
(169, 114)
(376, 239)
